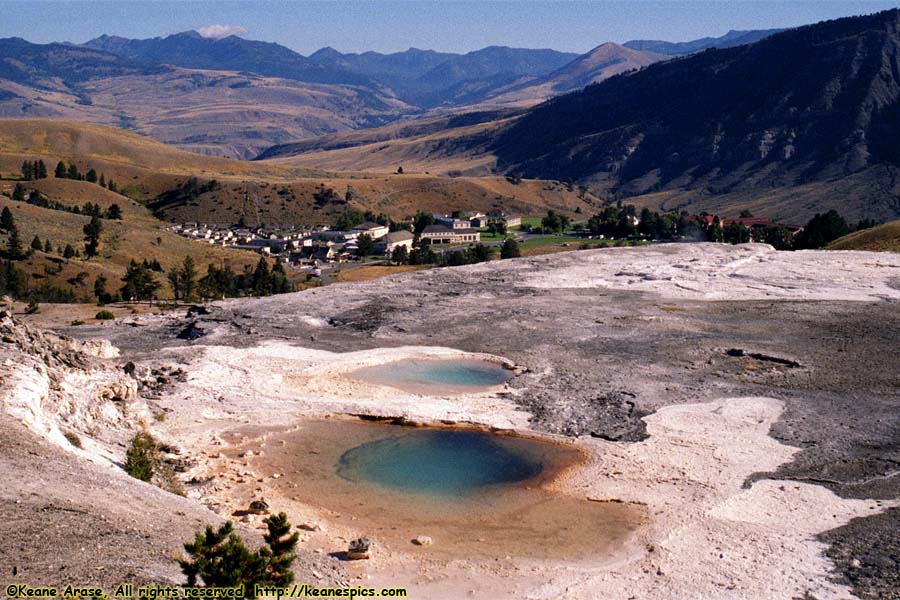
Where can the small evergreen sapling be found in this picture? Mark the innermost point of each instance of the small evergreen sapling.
(219, 558)
(140, 456)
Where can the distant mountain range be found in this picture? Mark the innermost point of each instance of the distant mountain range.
(237, 97)
(603, 62)
(729, 40)
(219, 112)
(805, 118)
(421, 78)
(34, 64)
(191, 50)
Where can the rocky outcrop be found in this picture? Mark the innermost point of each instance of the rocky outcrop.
(66, 390)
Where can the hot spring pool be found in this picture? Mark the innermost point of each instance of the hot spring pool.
(453, 375)
(476, 494)
(440, 462)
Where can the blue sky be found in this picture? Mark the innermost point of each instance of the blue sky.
(389, 26)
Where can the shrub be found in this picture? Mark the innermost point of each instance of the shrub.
(73, 439)
(510, 249)
(104, 315)
(219, 558)
(141, 456)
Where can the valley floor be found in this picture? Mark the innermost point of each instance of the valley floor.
(742, 400)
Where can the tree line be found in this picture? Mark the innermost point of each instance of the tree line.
(32, 170)
(624, 222)
(90, 209)
(71, 171)
(141, 284)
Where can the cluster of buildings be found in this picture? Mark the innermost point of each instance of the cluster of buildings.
(298, 244)
(756, 225)
(463, 228)
(305, 245)
(322, 244)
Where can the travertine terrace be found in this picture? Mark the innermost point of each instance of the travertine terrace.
(745, 399)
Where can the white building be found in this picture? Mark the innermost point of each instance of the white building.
(394, 240)
(373, 230)
(452, 223)
(438, 234)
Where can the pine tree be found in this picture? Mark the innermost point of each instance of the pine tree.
(174, 278)
(140, 284)
(111, 185)
(262, 280)
(280, 284)
(100, 290)
(281, 543)
(102, 180)
(140, 456)
(114, 212)
(188, 278)
(12, 280)
(18, 192)
(69, 252)
(27, 170)
(7, 223)
(36, 244)
(219, 558)
(60, 172)
(73, 173)
(821, 230)
(92, 236)
(48, 247)
(40, 170)
(14, 244)
(91, 176)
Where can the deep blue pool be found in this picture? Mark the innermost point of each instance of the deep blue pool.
(448, 463)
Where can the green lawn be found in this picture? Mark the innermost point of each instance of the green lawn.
(528, 222)
(558, 239)
(492, 237)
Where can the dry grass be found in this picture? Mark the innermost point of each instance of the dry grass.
(672, 308)
(883, 238)
(84, 142)
(213, 112)
(369, 272)
(399, 196)
(144, 169)
(435, 153)
(138, 235)
(53, 316)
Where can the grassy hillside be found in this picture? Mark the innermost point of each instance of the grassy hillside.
(82, 142)
(883, 238)
(262, 191)
(449, 149)
(214, 112)
(398, 196)
(138, 235)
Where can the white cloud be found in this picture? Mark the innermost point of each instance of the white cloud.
(220, 31)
